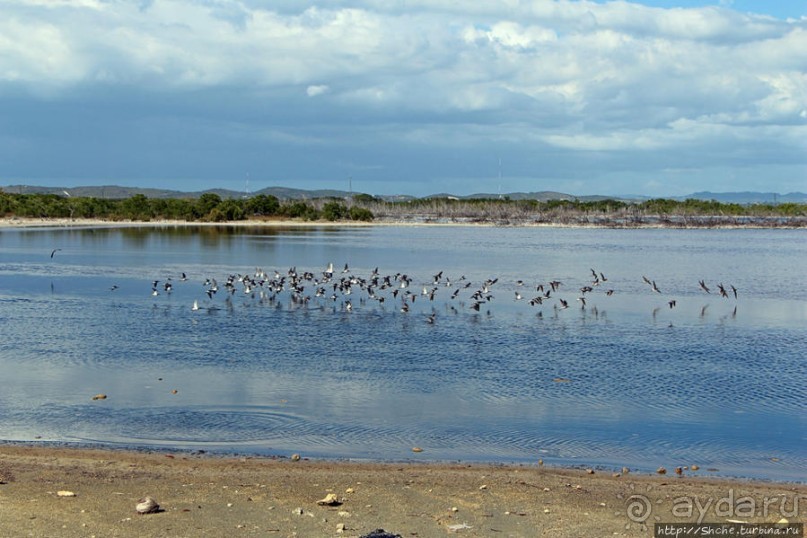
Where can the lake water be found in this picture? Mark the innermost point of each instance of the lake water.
(622, 380)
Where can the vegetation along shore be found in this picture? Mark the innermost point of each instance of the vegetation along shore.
(363, 208)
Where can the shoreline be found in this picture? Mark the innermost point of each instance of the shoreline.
(210, 495)
(25, 222)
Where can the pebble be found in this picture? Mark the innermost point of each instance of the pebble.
(330, 500)
(661, 470)
(99, 397)
(340, 528)
(417, 449)
(147, 505)
(295, 457)
(65, 493)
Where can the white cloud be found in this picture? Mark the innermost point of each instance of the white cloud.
(575, 75)
(318, 89)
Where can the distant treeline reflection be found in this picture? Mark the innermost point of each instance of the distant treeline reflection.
(210, 207)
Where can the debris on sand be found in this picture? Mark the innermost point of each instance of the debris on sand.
(330, 500)
(380, 533)
(147, 505)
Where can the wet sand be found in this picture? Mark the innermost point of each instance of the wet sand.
(204, 495)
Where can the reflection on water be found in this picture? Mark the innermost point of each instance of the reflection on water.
(334, 371)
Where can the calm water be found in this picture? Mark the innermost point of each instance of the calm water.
(625, 380)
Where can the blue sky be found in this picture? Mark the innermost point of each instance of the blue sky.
(659, 98)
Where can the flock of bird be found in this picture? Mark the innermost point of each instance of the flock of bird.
(345, 290)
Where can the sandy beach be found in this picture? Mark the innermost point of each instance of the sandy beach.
(203, 495)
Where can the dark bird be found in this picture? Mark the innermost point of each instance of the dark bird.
(54, 251)
(655, 288)
(702, 284)
(723, 292)
(734, 290)
(672, 303)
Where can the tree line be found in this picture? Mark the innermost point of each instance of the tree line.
(210, 207)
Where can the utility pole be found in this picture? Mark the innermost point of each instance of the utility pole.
(500, 178)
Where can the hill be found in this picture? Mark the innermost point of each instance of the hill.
(288, 193)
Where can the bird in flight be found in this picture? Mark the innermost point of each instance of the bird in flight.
(54, 251)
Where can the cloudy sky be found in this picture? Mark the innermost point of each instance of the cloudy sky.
(656, 97)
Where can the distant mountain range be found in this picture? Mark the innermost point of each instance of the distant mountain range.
(286, 193)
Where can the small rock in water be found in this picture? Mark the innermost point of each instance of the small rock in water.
(661, 470)
(417, 449)
(147, 505)
(694, 467)
(295, 457)
(99, 397)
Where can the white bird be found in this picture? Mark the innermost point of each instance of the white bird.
(195, 305)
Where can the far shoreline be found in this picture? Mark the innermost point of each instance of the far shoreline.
(28, 222)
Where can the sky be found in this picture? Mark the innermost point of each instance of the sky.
(417, 97)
